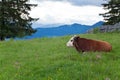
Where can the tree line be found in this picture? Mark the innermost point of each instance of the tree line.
(16, 22)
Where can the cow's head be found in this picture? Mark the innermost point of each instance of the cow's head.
(70, 42)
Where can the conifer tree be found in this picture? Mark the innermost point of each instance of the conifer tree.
(14, 18)
(112, 15)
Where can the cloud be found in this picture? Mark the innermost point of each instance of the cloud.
(79, 2)
(86, 2)
(58, 12)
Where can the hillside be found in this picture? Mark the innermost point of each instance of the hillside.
(50, 59)
(63, 30)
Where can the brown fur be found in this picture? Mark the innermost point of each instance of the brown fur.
(82, 44)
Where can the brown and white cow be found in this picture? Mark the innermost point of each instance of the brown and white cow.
(85, 45)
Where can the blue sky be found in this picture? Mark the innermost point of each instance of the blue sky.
(67, 11)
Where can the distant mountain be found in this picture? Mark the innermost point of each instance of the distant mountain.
(98, 24)
(62, 30)
(36, 25)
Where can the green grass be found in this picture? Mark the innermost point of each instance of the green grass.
(50, 59)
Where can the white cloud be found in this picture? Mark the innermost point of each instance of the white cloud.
(86, 2)
(80, 2)
(50, 12)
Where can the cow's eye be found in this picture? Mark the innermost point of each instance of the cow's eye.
(71, 40)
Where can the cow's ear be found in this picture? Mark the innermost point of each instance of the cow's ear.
(76, 38)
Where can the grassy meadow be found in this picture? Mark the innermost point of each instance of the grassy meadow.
(50, 59)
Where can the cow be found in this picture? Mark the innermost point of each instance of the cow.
(87, 45)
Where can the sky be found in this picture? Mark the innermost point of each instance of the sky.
(62, 12)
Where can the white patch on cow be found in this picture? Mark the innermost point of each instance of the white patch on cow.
(70, 42)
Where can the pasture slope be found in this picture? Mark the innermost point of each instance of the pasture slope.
(50, 59)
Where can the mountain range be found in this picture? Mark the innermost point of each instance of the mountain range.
(63, 30)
